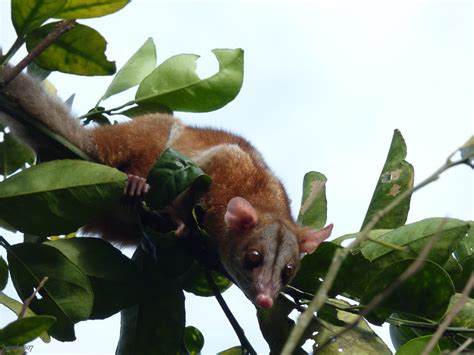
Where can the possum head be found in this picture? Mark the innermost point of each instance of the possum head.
(263, 252)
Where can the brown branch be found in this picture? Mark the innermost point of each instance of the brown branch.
(463, 346)
(62, 28)
(450, 316)
(28, 301)
(414, 267)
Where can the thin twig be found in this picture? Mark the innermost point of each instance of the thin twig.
(62, 28)
(422, 325)
(414, 267)
(248, 349)
(463, 346)
(450, 316)
(28, 301)
(341, 254)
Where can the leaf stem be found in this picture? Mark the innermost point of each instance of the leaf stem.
(341, 254)
(387, 244)
(14, 48)
(247, 347)
(424, 325)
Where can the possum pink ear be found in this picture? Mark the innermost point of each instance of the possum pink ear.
(311, 238)
(240, 215)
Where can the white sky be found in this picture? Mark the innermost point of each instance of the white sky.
(326, 83)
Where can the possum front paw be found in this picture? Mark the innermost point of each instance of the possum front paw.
(136, 186)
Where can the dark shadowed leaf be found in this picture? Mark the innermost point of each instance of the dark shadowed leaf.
(156, 324)
(426, 294)
(79, 51)
(172, 174)
(134, 70)
(3, 273)
(193, 340)
(397, 176)
(467, 267)
(175, 84)
(22, 331)
(59, 196)
(115, 283)
(399, 335)
(195, 281)
(90, 8)
(313, 209)
(417, 345)
(448, 232)
(14, 155)
(67, 295)
(29, 14)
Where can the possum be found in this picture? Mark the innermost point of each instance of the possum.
(247, 209)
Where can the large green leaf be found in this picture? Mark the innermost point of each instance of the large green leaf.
(90, 8)
(156, 324)
(134, 70)
(426, 294)
(417, 345)
(397, 176)
(13, 155)
(115, 283)
(67, 295)
(3, 273)
(193, 340)
(22, 331)
(79, 51)
(17, 307)
(172, 174)
(313, 209)
(29, 14)
(414, 236)
(59, 196)
(358, 340)
(175, 84)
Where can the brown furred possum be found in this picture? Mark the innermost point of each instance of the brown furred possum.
(247, 209)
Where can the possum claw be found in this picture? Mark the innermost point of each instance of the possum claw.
(136, 186)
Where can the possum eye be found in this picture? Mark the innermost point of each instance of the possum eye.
(287, 273)
(252, 259)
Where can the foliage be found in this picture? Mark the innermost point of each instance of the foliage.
(60, 196)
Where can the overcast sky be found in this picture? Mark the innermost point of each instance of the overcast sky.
(326, 83)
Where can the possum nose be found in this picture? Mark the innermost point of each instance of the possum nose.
(264, 301)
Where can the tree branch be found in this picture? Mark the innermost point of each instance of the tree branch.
(62, 28)
(27, 302)
(450, 316)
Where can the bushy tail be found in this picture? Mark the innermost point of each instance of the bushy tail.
(31, 102)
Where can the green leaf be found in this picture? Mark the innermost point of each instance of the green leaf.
(67, 294)
(16, 307)
(134, 70)
(467, 152)
(3, 273)
(195, 281)
(30, 14)
(79, 51)
(313, 211)
(467, 267)
(175, 83)
(466, 245)
(414, 236)
(156, 324)
(358, 340)
(90, 8)
(235, 350)
(314, 267)
(453, 267)
(426, 294)
(172, 174)
(465, 317)
(115, 283)
(25, 330)
(417, 345)
(399, 335)
(276, 326)
(14, 155)
(193, 340)
(59, 196)
(397, 176)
